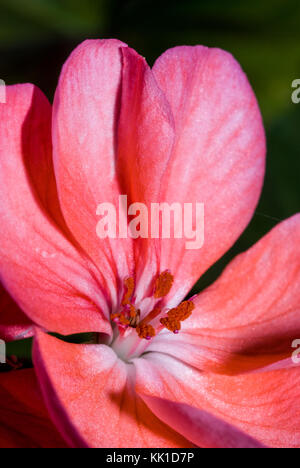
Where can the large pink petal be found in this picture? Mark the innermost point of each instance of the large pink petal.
(202, 428)
(218, 157)
(25, 422)
(145, 140)
(47, 277)
(89, 393)
(250, 317)
(264, 405)
(86, 109)
(14, 324)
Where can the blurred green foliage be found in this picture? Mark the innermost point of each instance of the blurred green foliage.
(36, 36)
(41, 19)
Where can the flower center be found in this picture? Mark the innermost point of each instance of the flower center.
(157, 319)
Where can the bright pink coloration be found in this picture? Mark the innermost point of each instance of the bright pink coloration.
(251, 311)
(188, 131)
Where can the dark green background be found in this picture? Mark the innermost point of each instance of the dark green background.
(36, 37)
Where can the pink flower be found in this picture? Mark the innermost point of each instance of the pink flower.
(187, 131)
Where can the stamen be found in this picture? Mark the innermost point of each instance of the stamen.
(130, 316)
(163, 284)
(129, 309)
(134, 316)
(182, 312)
(151, 316)
(120, 319)
(124, 321)
(145, 331)
(171, 324)
(177, 315)
(129, 285)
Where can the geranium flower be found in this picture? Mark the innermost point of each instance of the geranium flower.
(214, 371)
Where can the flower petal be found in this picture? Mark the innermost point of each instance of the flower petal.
(14, 325)
(89, 394)
(218, 157)
(250, 316)
(263, 405)
(144, 145)
(24, 420)
(203, 429)
(56, 286)
(85, 113)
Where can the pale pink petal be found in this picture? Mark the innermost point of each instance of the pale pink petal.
(144, 143)
(263, 405)
(200, 427)
(85, 115)
(89, 393)
(218, 158)
(250, 317)
(50, 281)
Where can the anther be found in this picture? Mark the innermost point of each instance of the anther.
(177, 315)
(171, 324)
(163, 284)
(134, 316)
(120, 319)
(124, 321)
(130, 316)
(183, 311)
(145, 331)
(129, 285)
